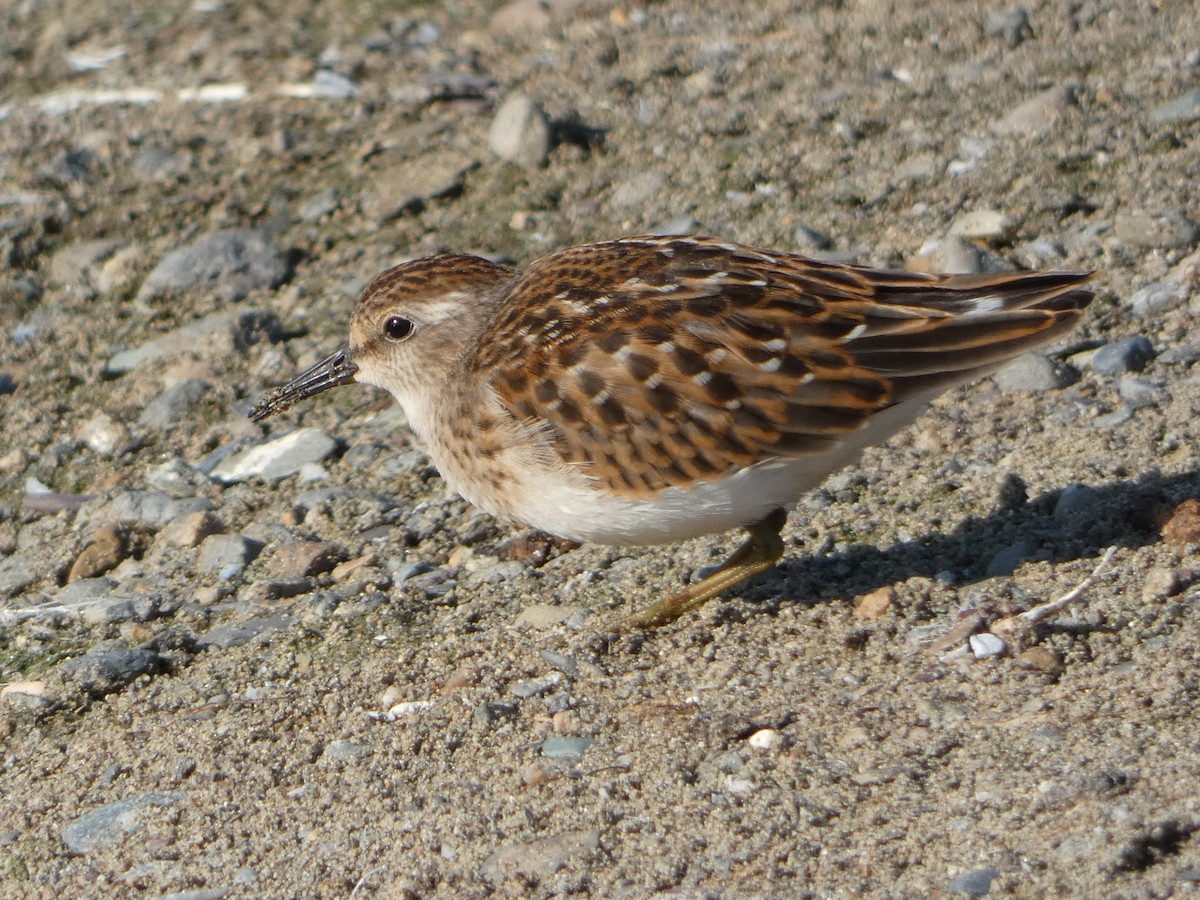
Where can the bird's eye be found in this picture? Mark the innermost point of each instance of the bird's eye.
(397, 328)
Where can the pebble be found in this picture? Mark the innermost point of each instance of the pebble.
(17, 572)
(537, 860)
(230, 263)
(490, 714)
(1034, 372)
(235, 634)
(976, 883)
(638, 190)
(112, 823)
(276, 459)
(1114, 419)
(404, 186)
(1159, 230)
(534, 687)
(152, 509)
(1156, 297)
(1138, 393)
(876, 604)
(547, 615)
(1076, 504)
(71, 265)
(1011, 24)
(223, 552)
(765, 739)
(191, 529)
(1131, 354)
(320, 206)
(103, 552)
(520, 132)
(1183, 527)
(300, 559)
(220, 334)
(1041, 659)
(104, 435)
(983, 225)
(1038, 115)
(1177, 112)
(100, 672)
(1161, 583)
(174, 405)
(1006, 561)
(564, 747)
(985, 645)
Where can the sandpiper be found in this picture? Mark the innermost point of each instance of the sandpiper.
(651, 389)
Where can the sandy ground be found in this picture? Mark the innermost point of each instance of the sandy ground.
(344, 682)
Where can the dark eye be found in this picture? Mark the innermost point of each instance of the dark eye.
(397, 328)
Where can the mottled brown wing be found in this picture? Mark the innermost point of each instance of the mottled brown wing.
(654, 362)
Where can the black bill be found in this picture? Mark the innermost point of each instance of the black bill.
(330, 372)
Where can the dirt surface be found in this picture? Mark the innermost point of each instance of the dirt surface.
(332, 679)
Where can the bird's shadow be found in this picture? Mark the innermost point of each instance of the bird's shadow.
(1125, 513)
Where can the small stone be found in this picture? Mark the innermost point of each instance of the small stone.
(221, 552)
(299, 559)
(561, 747)
(1183, 528)
(229, 263)
(955, 255)
(72, 264)
(490, 714)
(985, 645)
(1162, 583)
(976, 883)
(536, 860)
(104, 551)
(1034, 372)
(520, 132)
(1177, 112)
(17, 572)
(534, 687)
(100, 672)
(119, 273)
(23, 688)
(1138, 393)
(1075, 504)
(406, 185)
(1011, 24)
(216, 335)
(320, 206)
(983, 225)
(1038, 115)
(278, 458)
(1156, 297)
(103, 434)
(546, 615)
(638, 190)
(1042, 659)
(259, 628)
(876, 604)
(174, 405)
(112, 823)
(520, 19)
(1163, 230)
(765, 739)
(190, 530)
(1006, 561)
(1131, 354)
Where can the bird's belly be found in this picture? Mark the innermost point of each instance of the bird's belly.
(581, 513)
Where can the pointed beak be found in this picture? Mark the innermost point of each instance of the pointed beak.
(330, 372)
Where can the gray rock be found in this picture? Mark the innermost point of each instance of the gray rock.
(159, 163)
(677, 225)
(533, 687)
(1138, 393)
(17, 572)
(110, 824)
(1185, 109)
(561, 747)
(640, 189)
(1006, 561)
(277, 458)
(227, 553)
(1038, 115)
(1075, 504)
(173, 405)
(983, 224)
(84, 592)
(216, 335)
(976, 883)
(1127, 355)
(176, 478)
(320, 206)
(540, 858)
(230, 263)
(237, 633)
(1161, 230)
(1157, 297)
(70, 265)
(1034, 372)
(405, 185)
(153, 509)
(520, 132)
(1012, 25)
(100, 672)
(490, 714)
(1114, 419)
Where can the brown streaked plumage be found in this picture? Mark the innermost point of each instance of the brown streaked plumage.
(651, 389)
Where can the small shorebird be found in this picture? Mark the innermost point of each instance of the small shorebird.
(652, 389)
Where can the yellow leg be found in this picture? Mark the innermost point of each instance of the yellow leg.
(757, 554)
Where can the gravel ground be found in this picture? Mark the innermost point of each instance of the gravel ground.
(285, 662)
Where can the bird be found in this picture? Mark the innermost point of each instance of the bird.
(656, 388)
